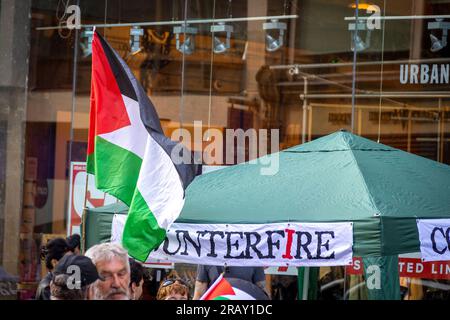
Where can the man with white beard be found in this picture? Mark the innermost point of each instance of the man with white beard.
(111, 260)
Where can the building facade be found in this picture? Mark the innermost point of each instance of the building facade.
(304, 67)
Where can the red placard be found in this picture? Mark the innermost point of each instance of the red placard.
(410, 267)
(356, 267)
(76, 196)
(415, 268)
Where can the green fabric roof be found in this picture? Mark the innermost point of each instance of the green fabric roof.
(118, 207)
(340, 177)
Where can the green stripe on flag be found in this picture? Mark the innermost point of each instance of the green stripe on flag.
(90, 163)
(116, 169)
(142, 233)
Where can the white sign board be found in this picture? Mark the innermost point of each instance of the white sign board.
(78, 194)
(434, 236)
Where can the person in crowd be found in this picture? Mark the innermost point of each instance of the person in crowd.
(136, 279)
(173, 289)
(52, 252)
(74, 243)
(206, 275)
(71, 278)
(111, 260)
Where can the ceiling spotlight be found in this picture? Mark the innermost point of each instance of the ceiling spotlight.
(357, 43)
(436, 43)
(135, 39)
(219, 45)
(86, 41)
(188, 45)
(274, 43)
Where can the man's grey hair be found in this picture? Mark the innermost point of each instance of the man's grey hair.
(106, 252)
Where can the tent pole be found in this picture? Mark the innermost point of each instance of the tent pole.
(305, 108)
(382, 277)
(439, 131)
(409, 131)
(300, 280)
(313, 284)
(310, 114)
(305, 284)
(83, 216)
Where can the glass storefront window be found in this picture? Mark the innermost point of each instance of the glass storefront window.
(286, 65)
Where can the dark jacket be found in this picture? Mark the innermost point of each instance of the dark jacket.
(43, 290)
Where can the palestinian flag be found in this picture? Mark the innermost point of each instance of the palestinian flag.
(233, 289)
(129, 154)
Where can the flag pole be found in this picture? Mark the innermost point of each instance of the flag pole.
(83, 215)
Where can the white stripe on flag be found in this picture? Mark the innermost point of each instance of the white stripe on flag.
(132, 137)
(239, 295)
(118, 223)
(160, 185)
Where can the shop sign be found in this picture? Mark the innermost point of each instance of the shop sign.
(78, 193)
(409, 267)
(279, 244)
(405, 115)
(434, 236)
(340, 118)
(424, 73)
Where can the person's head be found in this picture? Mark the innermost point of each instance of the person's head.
(73, 243)
(136, 279)
(111, 260)
(53, 251)
(71, 278)
(60, 291)
(173, 289)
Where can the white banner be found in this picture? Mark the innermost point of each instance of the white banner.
(116, 236)
(277, 244)
(434, 236)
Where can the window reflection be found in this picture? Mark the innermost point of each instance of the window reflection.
(293, 74)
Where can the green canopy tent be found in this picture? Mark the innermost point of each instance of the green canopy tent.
(339, 177)
(96, 226)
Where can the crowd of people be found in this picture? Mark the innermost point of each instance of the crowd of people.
(104, 272)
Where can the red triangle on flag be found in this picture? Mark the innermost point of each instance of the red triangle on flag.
(108, 112)
(220, 287)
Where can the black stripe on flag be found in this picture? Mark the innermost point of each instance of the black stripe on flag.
(125, 86)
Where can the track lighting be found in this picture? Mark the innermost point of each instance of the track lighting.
(272, 42)
(135, 39)
(436, 43)
(219, 45)
(86, 41)
(356, 29)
